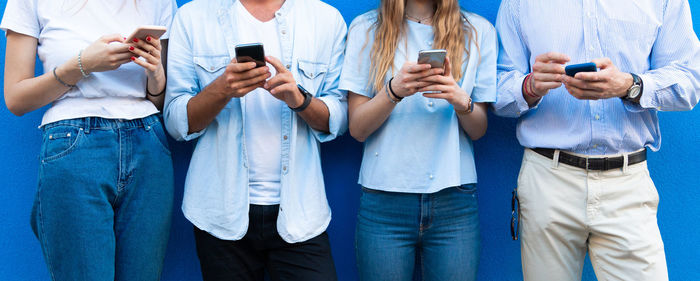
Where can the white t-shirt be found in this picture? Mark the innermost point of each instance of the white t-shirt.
(263, 115)
(64, 27)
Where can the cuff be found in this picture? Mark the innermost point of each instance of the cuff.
(337, 120)
(176, 120)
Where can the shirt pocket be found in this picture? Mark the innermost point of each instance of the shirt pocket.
(311, 75)
(208, 68)
(627, 37)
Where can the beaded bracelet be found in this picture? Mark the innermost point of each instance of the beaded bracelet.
(80, 64)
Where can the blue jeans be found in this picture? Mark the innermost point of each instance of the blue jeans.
(104, 200)
(440, 229)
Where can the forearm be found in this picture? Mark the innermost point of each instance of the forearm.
(203, 108)
(156, 88)
(316, 115)
(367, 117)
(33, 93)
(475, 122)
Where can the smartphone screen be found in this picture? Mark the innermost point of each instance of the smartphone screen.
(571, 70)
(436, 57)
(251, 52)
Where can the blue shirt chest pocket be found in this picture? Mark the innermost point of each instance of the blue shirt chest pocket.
(209, 68)
(311, 75)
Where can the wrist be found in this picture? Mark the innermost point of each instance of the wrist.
(295, 98)
(627, 85)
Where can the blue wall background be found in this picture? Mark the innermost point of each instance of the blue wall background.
(675, 169)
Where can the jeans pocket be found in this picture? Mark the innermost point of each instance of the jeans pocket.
(156, 130)
(466, 188)
(60, 141)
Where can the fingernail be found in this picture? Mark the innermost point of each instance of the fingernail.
(136, 40)
(131, 48)
(124, 38)
(133, 58)
(148, 38)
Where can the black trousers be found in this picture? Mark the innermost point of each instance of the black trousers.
(261, 250)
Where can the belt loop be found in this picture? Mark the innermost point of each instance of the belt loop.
(555, 159)
(88, 124)
(625, 162)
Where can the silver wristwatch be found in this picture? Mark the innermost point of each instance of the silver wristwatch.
(634, 93)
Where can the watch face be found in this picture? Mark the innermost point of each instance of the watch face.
(634, 92)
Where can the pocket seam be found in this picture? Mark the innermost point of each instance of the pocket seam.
(162, 145)
(67, 151)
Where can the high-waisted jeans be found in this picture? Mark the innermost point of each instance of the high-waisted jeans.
(441, 229)
(104, 200)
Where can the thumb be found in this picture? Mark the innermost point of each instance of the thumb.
(112, 38)
(448, 67)
(602, 63)
(276, 63)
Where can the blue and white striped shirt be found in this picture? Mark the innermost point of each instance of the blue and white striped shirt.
(652, 38)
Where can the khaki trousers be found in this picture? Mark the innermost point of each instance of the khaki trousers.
(566, 211)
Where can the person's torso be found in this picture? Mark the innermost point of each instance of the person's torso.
(263, 115)
(421, 144)
(70, 26)
(624, 31)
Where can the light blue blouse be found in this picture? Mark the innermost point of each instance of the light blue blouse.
(421, 147)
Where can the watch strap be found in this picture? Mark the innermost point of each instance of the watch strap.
(307, 99)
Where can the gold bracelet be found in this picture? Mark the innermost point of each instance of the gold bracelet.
(469, 109)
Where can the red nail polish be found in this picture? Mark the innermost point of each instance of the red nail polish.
(131, 48)
(148, 38)
(136, 40)
(133, 58)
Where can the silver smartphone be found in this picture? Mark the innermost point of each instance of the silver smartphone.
(435, 57)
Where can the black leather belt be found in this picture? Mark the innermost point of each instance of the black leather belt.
(595, 164)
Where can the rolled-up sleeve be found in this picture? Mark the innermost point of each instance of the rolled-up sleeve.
(331, 95)
(485, 84)
(513, 62)
(182, 81)
(673, 83)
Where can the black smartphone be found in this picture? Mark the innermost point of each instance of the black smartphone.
(251, 52)
(571, 70)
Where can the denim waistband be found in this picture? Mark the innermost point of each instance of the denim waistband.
(99, 123)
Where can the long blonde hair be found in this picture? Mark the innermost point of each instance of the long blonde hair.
(450, 28)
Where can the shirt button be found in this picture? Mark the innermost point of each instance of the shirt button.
(278, 14)
(284, 168)
(431, 176)
(430, 104)
(595, 146)
(284, 31)
(597, 117)
(285, 137)
(211, 68)
(376, 154)
(288, 67)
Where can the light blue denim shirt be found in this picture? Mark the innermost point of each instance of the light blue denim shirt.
(312, 37)
(651, 38)
(421, 148)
